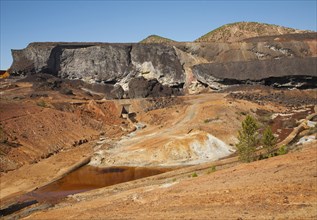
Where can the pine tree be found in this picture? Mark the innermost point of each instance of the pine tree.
(248, 139)
(268, 141)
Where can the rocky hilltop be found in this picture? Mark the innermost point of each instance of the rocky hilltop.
(179, 67)
(156, 39)
(242, 30)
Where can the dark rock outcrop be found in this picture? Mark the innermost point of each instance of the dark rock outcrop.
(169, 68)
(295, 72)
(42, 82)
(254, 49)
(141, 88)
(277, 97)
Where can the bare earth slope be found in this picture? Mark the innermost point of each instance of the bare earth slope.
(175, 132)
(177, 140)
(280, 187)
(32, 129)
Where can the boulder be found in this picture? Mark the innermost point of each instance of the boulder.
(141, 88)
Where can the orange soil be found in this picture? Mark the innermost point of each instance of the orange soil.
(67, 121)
(280, 187)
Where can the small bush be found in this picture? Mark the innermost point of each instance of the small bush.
(207, 120)
(42, 104)
(212, 169)
(282, 150)
(194, 174)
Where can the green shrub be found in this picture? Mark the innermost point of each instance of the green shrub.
(194, 174)
(212, 169)
(207, 120)
(268, 141)
(248, 139)
(41, 103)
(282, 150)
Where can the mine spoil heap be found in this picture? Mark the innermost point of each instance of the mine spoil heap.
(172, 68)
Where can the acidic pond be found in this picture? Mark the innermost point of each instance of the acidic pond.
(88, 177)
(82, 179)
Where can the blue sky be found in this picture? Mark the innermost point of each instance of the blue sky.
(23, 22)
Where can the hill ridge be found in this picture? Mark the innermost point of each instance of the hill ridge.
(156, 39)
(238, 31)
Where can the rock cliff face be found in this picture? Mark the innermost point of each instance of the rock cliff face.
(97, 62)
(271, 60)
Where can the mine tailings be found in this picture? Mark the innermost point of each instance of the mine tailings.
(83, 179)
